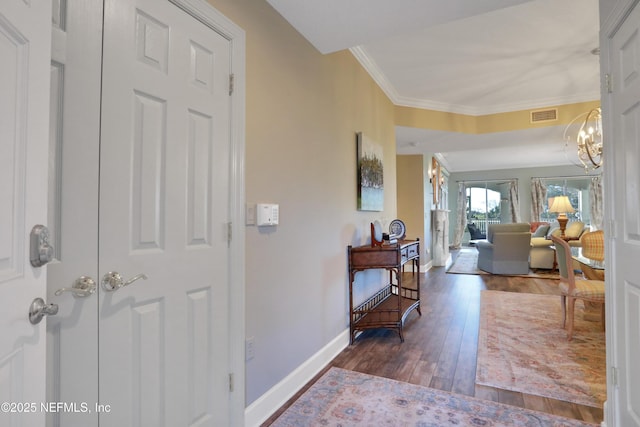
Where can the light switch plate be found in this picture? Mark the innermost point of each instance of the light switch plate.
(250, 349)
(250, 214)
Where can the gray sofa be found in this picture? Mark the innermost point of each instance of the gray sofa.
(506, 250)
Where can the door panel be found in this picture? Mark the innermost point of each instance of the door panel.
(72, 344)
(164, 206)
(624, 282)
(25, 41)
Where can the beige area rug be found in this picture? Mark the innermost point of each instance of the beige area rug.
(522, 347)
(347, 398)
(467, 263)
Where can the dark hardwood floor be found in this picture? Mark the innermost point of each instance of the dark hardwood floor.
(440, 346)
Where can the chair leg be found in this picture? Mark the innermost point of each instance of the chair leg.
(572, 304)
(563, 301)
(602, 313)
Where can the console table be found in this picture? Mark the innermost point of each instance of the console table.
(388, 307)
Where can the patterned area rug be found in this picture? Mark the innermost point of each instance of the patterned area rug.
(521, 347)
(467, 263)
(347, 398)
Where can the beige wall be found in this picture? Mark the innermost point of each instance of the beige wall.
(411, 198)
(303, 110)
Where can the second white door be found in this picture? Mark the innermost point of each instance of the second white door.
(164, 210)
(164, 179)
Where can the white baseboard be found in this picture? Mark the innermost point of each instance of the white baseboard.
(423, 267)
(263, 407)
(604, 421)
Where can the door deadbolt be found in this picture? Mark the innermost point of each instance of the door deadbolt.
(40, 250)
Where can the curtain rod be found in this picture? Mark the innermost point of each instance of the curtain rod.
(488, 180)
(566, 177)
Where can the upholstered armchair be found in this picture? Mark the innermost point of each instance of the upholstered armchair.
(475, 233)
(506, 250)
(572, 288)
(592, 243)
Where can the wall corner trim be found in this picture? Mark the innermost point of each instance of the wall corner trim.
(274, 398)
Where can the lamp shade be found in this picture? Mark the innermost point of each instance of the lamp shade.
(561, 204)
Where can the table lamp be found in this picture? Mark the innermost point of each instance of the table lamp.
(561, 205)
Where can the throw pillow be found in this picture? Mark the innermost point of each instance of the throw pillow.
(536, 224)
(555, 231)
(541, 231)
(574, 229)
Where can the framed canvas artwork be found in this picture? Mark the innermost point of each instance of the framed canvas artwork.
(370, 174)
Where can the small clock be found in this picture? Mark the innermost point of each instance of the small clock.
(397, 229)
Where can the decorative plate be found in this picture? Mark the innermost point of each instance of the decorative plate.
(397, 229)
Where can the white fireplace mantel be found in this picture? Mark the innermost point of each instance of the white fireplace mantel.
(440, 237)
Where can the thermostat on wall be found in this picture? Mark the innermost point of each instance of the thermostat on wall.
(267, 214)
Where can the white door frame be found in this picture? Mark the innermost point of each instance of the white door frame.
(205, 13)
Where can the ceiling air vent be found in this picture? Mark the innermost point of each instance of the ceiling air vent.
(547, 115)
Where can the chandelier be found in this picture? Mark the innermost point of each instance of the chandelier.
(586, 132)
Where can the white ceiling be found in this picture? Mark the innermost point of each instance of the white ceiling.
(469, 57)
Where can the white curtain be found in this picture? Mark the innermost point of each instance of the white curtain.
(514, 201)
(595, 209)
(538, 198)
(461, 215)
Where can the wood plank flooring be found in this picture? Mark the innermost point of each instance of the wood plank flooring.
(441, 346)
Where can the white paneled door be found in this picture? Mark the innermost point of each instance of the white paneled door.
(623, 345)
(140, 201)
(164, 211)
(25, 41)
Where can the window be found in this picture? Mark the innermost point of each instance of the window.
(577, 189)
(488, 203)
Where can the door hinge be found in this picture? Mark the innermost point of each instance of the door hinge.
(231, 83)
(231, 383)
(614, 376)
(608, 82)
(229, 232)
(612, 229)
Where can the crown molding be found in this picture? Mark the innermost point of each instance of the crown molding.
(360, 53)
(496, 109)
(375, 72)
